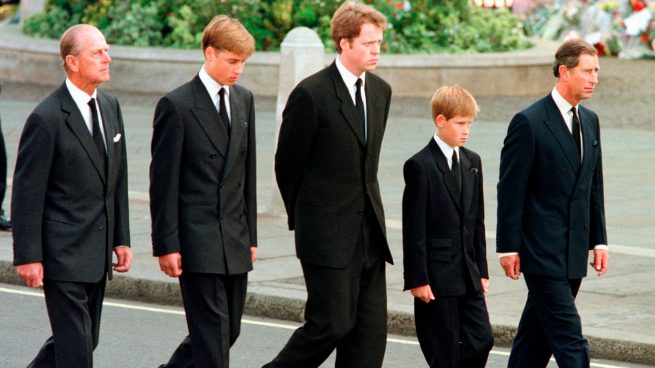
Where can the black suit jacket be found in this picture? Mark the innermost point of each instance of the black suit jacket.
(443, 233)
(325, 170)
(66, 212)
(202, 181)
(550, 205)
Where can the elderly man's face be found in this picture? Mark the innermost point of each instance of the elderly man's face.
(91, 63)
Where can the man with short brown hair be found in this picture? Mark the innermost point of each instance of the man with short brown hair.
(551, 210)
(326, 167)
(203, 195)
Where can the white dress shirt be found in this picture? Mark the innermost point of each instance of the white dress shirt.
(447, 150)
(350, 80)
(212, 88)
(81, 100)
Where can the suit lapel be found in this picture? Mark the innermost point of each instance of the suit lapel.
(468, 180)
(347, 107)
(588, 142)
(556, 125)
(108, 121)
(207, 117)
(78, 127)
(446, 174)
(375, 107)
(239, 123)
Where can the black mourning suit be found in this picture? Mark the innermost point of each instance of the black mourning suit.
(69, 212)
(326, 171)
(203, 205)
(444, 246)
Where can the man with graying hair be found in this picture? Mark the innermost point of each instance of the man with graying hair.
(551, 210)
(69, 200)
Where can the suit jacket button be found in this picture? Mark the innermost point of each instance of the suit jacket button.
(101, 227)
(221, 185)
(221, 218)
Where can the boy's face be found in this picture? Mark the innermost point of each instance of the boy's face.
(225, 67)
(454, 131)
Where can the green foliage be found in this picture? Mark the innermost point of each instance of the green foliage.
(50, 24)
(416, 26)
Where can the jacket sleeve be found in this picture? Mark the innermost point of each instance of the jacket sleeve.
(515, 164)
(414, 207)
(122, 228)
(597, 232)
(166, 150)
(35, 155)
(251, 176)
(480, 241)
(299, 127)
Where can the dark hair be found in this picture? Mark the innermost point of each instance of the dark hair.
(569, 53)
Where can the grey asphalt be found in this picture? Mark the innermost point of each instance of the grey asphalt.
(617, 310)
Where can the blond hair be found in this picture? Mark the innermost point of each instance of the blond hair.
(224, 33)
(451, 101)
(347, 21)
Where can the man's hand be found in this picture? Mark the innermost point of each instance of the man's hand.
(171, 264)
(511, 265)
(123, 258)
(601, 261)
(253, 253)
(423, 292)
(31, 273)
(485, 284)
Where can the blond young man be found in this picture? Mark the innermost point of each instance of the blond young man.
(203, 194)
(444, 247)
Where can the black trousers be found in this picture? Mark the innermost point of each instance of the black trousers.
(454, 331)
(550, 325)
(214, 306)
(346, 310)
(74, 310)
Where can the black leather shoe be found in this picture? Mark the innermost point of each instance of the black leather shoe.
(5, 225)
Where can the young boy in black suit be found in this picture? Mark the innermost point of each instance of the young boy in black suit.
(444, 247)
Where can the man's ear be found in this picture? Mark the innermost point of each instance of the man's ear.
(210, 53)
(71, 63)
(343, 42)
(440, 120)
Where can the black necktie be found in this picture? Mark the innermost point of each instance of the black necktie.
(359, 104)
(457, 172)
(222, 111)
(97, 135)
(575, 130)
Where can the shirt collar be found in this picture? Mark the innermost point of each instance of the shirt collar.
(210, 84)
(349, 78)
(445, 148)
(562, 104)
(80, 97)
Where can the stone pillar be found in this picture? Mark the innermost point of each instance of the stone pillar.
(301, 54)
(30, 7)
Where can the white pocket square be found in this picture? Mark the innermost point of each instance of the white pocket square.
(117, 137)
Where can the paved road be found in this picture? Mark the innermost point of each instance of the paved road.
(137, 335)
(618, 310)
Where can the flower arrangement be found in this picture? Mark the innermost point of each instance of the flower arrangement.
(624, 28)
